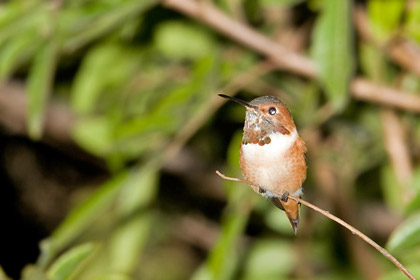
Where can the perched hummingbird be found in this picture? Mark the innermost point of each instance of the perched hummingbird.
(272, 155)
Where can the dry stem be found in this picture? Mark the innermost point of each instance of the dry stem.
(341, 222)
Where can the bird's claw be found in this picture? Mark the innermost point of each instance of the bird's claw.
(285, 196)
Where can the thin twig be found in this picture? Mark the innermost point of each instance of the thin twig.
(358, 233)
(327, 179)
(341, 222)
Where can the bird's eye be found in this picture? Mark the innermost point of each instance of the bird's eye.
(272, 110)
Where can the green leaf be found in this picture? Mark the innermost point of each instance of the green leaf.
(39, 86)
(385, 17)
(107, 66)
(94, 135)
(129, 239)
(414, 205)
(68, 264)
(373, 63)
(17, 50)
(88, 30)
(413, 21)
(391, 189)
(17, 17)
(179, 40)
(223, 259)
(32, 272)
(175, 108)
(280, 2)
(332, 50)
(113, 276)
(270, 259)
(406, 235)
(397, 274)
(80, 219)
(3, 275)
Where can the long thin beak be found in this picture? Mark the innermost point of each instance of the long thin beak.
(243, 103)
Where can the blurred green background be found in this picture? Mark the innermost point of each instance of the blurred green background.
(111, 131)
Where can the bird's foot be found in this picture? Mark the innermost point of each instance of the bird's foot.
(261, 190)
(285, 196)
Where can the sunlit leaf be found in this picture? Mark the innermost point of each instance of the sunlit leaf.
(178, 40)
(406, 235)
(16, 18)
(80, 219)
(68, 263)
(332, 50)
(17, 50)
(3, 275)
(414, 205)
(413, 21)
(126, 244)
(118, 13)
(114, 276)
(280, 2)
(390, 189)
(270, 259)
(221, 262)
(39, 86)
(397, 274)
(94, 135)
(32, 272)
(106, 67)
(385, 17)
(373, 63)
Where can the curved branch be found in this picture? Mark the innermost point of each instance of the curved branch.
(339, 221)
(358, 233)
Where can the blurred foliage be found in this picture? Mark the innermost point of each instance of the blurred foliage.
(142, 79)
(334, 57)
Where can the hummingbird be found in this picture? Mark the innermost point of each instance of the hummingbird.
(272, 155)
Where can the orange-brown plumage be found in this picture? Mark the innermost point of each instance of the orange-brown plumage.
(272, 154)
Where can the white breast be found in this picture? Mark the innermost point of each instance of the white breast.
(279, 144)
(267, 165)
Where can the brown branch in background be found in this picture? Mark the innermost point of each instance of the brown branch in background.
(406, 54)
(396, 147)
(208, 14)
(368, 91)
(339, 221)
(58, 126)
(402, 51)
(58, 120)
(12, 108)
(196, 230)
(362, 24)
